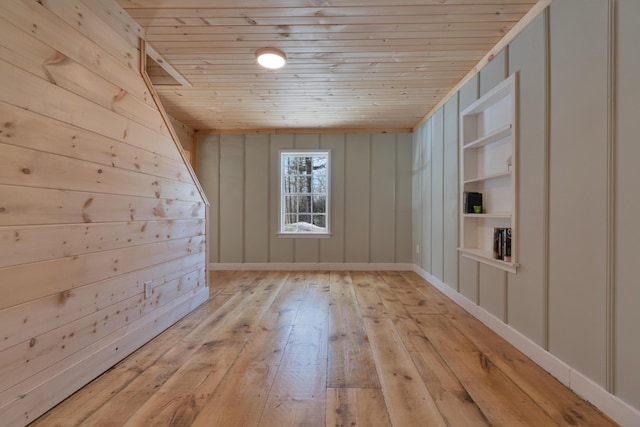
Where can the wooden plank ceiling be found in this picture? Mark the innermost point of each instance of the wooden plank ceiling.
(352, 64)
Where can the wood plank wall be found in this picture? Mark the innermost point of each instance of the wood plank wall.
(576, 293)
(370, 198)
(95, 201)
(185, 134)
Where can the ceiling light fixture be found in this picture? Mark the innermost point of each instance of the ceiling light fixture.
(271, 58)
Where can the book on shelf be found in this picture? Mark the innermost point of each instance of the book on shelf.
(471, 199)
(502, 244)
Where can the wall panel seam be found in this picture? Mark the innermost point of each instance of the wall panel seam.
(370, 142)
(610, 309)
(218, 205)
(244, 196)
(547, 178)
(395, 199)
(270, 235)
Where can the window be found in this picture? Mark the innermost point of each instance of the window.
(304, 194)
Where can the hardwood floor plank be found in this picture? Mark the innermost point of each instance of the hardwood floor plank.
(454, 403)
(231, 282)
(501, 401)
(298, 395)
(351, 363)
(242, 394)
(408, 400)
(393, 307)
(363, 407)
(437, 299)
(369, 301)
(414, 301)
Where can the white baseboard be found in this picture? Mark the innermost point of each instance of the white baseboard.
(618, 410)
(313, 266)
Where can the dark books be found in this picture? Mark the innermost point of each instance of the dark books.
(471, 199)
(502, 244)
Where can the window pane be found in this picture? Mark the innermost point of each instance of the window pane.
(289, 165)
(319, 164)
(304, 184)
(306, 165)
(290, 184)
(290, 223)
(290, 204)
(319, 204)
(319, 184)
(320, 221)
(304, 219)
(304, 204)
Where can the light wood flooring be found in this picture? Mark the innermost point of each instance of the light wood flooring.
(325, 349)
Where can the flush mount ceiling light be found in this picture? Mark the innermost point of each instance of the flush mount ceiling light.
(271, 58)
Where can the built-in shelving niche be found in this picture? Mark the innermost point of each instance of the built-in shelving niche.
(488, 153)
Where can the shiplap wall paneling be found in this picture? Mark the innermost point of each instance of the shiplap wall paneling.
(332, 250)
(53, 30)
(117, 18)
(416, 199)
(55, 172)
(627, 296)
(38, 132)
(209, 175)
(450, 193)
(357, 198)
(280, 249)
(76, 239)
(426, 187)
(47, 314)
(231, 198)
(492, 282)
(92, 26)
(527, 289)
(256, 199)
(382, 190)
(403, 232)
(306, 250)
(468, 268)
(96, 202)
(185, 134)
(437, 198)
(578, 189)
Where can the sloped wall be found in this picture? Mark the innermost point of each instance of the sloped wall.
(95, 201)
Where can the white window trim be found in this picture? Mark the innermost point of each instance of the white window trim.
(295, 235)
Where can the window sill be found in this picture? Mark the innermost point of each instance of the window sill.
(304, 235)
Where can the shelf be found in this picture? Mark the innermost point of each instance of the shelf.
(488, 215)
(488, 139)
(488, 177)
(487, 258)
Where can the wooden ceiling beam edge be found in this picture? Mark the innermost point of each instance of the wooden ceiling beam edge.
(533, 13)
(153, 54)
(323, 131)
